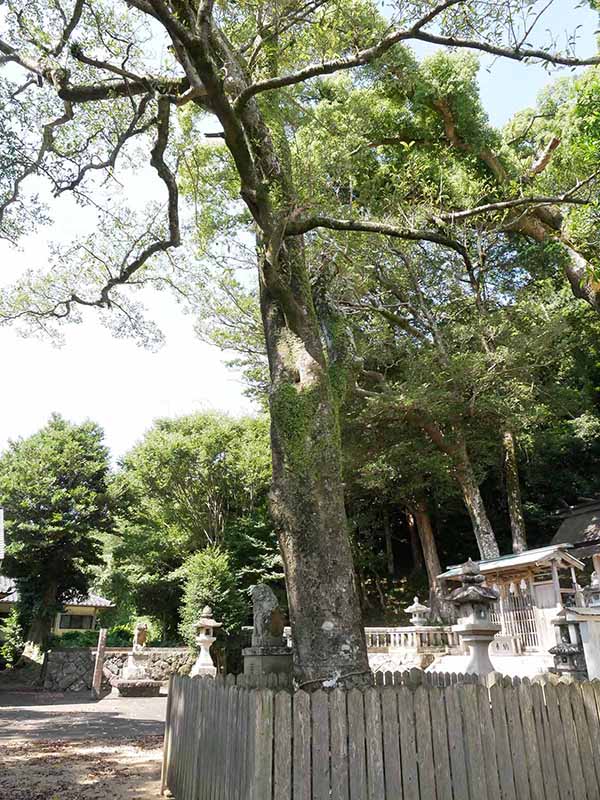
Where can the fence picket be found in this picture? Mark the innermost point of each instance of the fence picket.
(542, 724)
(557, 739)
(391, 743)
(591, 713)
(374, 739)
(458, 762)
(338, 724)
(282, 779)
(357, 769)
(408, 744)
(263, 752)
(583, 741)
(424, 744)
(441, 754)
(532, 752)
(517, 743)
(503, 754)
(473, 745)
(320, 745)
(301, 716)
(488, 742)
(573, 756)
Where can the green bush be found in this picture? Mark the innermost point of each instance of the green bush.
(210, 580)
(76, 639)
(120, 636)
(13, 641)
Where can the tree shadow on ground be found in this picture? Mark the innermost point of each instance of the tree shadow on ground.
(45, 770)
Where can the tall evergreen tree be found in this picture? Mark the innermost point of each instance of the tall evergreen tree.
(53, 486)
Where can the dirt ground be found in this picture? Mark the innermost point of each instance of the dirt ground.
(61, 747)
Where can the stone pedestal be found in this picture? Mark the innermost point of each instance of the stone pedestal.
(477, 638)
(137, 666)
(267, 660)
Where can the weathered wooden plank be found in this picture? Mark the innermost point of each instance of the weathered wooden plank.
(408, 744)
(517, 743)
(458, 762)
(388, 678)
(374, 740)
(320, 745)
(473, 745)
(227, 767)
(391, 743)
(338, 725)
(591, 714)
(557, 739)
(378, 678)
(424, 743)
(232, 754)
(302, 743)
(570, 733)
(282, 779)
(532, 751)
(441, 752)
(263, 749)
(542, 726)
(357, 769)
(488, 743)
(583, 740)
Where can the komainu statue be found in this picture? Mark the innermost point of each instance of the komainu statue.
(269, 621)
(140, 635)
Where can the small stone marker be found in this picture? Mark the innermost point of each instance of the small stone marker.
(97, 679)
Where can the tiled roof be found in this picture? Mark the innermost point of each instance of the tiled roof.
(541, 555)
(8, 589)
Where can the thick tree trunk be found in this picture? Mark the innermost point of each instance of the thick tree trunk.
(513, 493)
(484, 533)
(307, 492)
(415, 546)
(389, 547)
(38, 633)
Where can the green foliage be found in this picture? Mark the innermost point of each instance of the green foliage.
(194, 482)
(210, 580)
(11, 639)
(53, 487)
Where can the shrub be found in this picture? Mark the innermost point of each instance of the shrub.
(210, 580)
(120, 636)
(13, 641)
(77, 639)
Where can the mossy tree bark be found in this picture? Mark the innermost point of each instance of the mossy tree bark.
(307, 496)
(513, 493)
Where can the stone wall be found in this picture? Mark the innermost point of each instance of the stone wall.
(71, 670)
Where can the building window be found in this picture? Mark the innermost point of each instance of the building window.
(78, 622)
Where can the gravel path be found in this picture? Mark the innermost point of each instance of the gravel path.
(67, 747)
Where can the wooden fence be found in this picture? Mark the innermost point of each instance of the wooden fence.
(393, 742)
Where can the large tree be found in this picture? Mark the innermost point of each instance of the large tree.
(195, 482)
(86, 80)
(53, 486)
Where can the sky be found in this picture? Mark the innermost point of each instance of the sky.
(124, 387)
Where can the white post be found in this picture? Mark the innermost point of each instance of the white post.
(556, 583)
(596, 563)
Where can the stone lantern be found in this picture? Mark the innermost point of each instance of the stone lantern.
(419, 613)
(205, 629)
(591, 593)
(474, 602)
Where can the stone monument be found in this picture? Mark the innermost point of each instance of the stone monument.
(205, 638)
(269, 652)
(474, 602)
(135, 681)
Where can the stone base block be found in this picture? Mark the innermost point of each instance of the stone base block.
(138, 688)
(267, 660)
